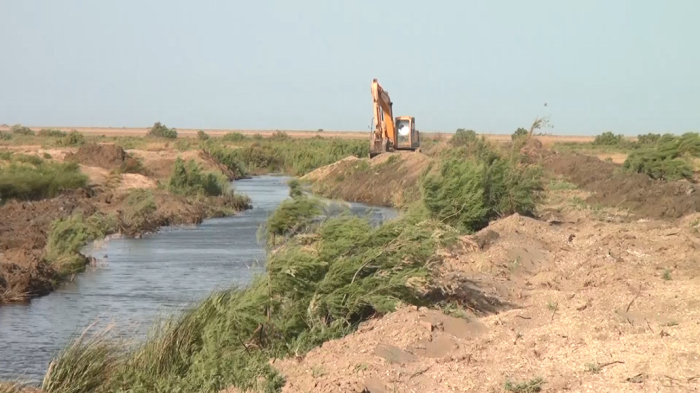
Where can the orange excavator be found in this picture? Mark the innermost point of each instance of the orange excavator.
(390, 133)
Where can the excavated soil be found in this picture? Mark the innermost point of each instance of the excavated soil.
(568, 306)
(160, 162)
(636, 192)
(105, 156)
(23, 232)
(392, 180)
(386, 180)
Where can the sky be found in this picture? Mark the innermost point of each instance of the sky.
(624, 66)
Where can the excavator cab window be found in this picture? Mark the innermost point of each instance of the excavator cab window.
(404, 129)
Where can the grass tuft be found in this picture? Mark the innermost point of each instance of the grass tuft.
(31, 178)
(532, 386)
(67, 236)
(188, 179)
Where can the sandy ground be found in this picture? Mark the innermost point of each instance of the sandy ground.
(577, 305)
(588, 297)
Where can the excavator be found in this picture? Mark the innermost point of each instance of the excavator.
(390, 133)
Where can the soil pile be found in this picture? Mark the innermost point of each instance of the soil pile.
(23, 233)
(579, 308)
(386, 180)
(637, 192)
(103, 156)
(160, 163)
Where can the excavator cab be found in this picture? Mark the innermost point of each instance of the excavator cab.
(407, 137)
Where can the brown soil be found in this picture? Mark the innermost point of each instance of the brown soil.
(386, 180)
(391, 181)
(581, 298)
(23, 232)
(160, 162)
(105, 156)
(584, 306)
(639, 193)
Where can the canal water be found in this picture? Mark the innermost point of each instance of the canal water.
(137, 280)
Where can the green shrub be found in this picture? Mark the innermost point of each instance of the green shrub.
(19, 129)
(463, 137)
(83, 366)
(469, 146)
(519, 133)
(51, 133)
(67, 236)
(667, 159)
(609, 139)
(230, 158)
(532, 386)
(28, 159)
(658, 164)
(183, 144)
(5, 136)
(202, 136)
(47, 156)
(648, 139)
(295, 188)
(138, 209)
(689, 144)
(457, 196)
(512, 188)
(188, 179)
(292, 156)
(38, 180)
(161, 131)
(234, 137)
(469, 192)
(280, 136)
(6, 155)
(73, 138)
(292, 216)
(307, 296)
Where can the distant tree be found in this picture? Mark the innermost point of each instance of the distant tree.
(161, 131)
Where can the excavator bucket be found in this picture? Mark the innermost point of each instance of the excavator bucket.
(378, 146)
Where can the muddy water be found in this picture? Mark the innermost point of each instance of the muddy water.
(137, 280)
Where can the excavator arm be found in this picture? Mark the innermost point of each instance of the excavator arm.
(385, 137)
(384, 127)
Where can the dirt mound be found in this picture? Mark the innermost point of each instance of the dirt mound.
(588, 304)
(104, 156)
(130, 181)
(159, 163)
(386, 180)
(323, 171)
(639, 193)
(23, 231)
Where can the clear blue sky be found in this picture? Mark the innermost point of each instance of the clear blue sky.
(626, 66)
